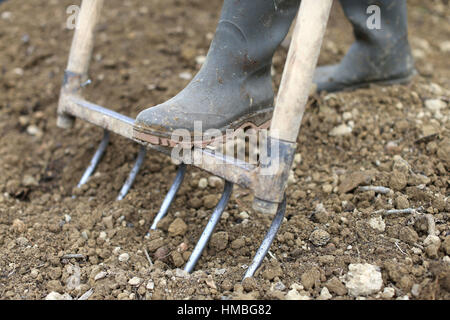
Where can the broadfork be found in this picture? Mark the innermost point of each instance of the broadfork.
(268, 190)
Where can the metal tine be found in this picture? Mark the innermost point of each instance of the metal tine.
(267, 242)
(209, 229)
(133, 173)
(170, 196)
(95, 159)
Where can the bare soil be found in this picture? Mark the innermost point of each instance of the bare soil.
(398, 140)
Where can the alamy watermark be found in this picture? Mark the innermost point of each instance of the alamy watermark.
(374, 20)
(73, 11)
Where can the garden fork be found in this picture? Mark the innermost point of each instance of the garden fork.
(268, 190)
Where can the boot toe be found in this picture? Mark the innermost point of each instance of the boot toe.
(326, 78)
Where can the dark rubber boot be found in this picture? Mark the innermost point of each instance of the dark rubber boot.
(378, 56)
(234, 86)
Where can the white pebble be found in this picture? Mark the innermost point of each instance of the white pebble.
(388, 293)
(34, 131)
(57, 296)
(215, 181)
(135, 281)
(100, 275)
(377, 224)
(150, 285)
(124, 257)
(325, 294)
(341, 130)
(363, 279)
(185, 76)
(200, 60)
(203, 183)
(244, 215)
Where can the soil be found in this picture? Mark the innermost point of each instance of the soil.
(399, 140)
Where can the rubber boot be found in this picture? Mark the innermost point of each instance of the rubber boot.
(379, 56)
(234, 86)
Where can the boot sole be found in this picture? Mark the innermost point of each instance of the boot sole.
(155, 136)
(390, 82)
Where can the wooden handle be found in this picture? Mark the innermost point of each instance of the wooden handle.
(83, 40)
(299, 70)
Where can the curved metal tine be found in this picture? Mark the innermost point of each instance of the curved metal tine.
(133, 173)
(95, 159)
(267, 242)
(209, 229)
(170, 196)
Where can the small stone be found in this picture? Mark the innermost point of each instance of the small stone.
(124, 257)
(29, 181)
(162, 253)
(100, 275)
(445, 46)
(297, 158)
(319, 237)
(446, 245)
(180, 273)
(57, 296)
(415, 290)
(388, 293)
(225, 215)
(353, 180)
(34, 273)
(54, 285)
(295, 295)
(435, 105)
(324, 294)
(102, 235)
(401, 202)
(377, 224)
(200, 60)
(22, 241)
(432, 251)
(443, 151)
(155, 244)
(244, 215)
(18, 226)
(321, 215)
(135, 281)
(185, 75)
(177, 258)
(432, 240)
(347, 116)
(249, 284)
(401, 165)
(209, 201)
(203, 183)
(335, 286)
(210, 283)
(363, 279)
(340, 130)
(219, 241)
(108, 222)
(310, 278)
(327, 188)
(408, 235)
(150, 285)
(238, 243)
(215, 182)
(67, 218)
(397, 180)
(279, 286)
(177, 228)
(33, 130)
